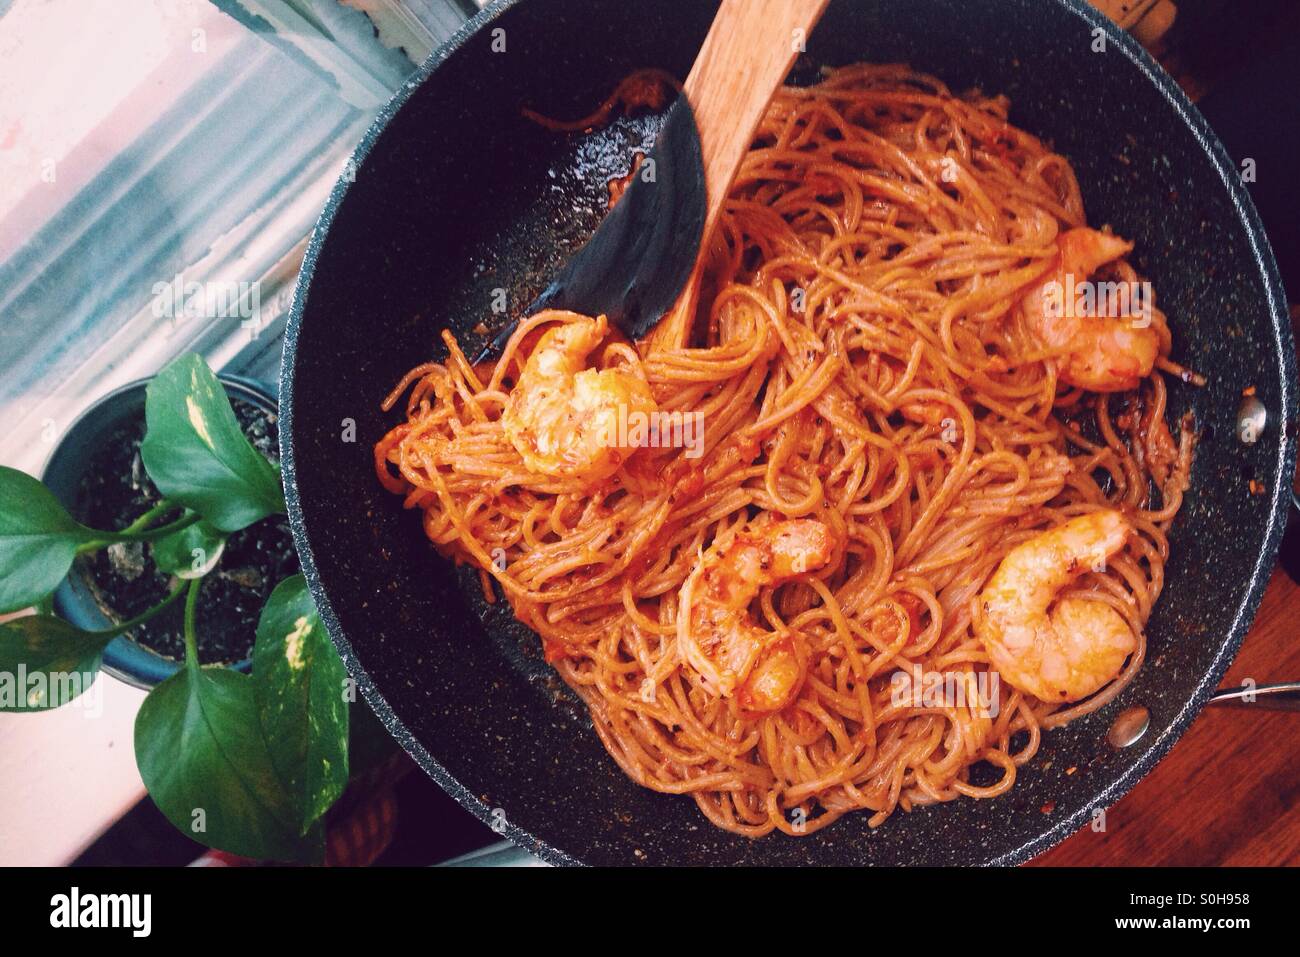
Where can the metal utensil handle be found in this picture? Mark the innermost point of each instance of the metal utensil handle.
(1276, 697)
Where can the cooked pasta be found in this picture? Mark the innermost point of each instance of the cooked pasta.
(872, 447)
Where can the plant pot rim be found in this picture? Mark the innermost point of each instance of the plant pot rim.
(124, 658)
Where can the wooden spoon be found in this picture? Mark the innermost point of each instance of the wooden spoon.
(643, 264)
(745, 58)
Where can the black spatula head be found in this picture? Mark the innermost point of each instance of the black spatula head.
(634, 266)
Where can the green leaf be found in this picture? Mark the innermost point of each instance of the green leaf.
(38, 540)
(191, 552)
(204, 760)
(196, 453)
(46, 662)
(299, 681)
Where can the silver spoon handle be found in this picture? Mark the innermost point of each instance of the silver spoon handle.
(1276, 697)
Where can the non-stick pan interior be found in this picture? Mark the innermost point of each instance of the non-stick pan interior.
(459, 198)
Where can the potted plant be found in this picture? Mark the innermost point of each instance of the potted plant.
(248, 763)
(97, 472)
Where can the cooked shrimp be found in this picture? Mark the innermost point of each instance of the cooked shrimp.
(1099, 353)
(1078, 646)
(715, 630)
(564, 418)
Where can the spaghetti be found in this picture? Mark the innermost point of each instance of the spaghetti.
(862, 365)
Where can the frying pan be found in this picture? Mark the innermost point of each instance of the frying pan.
(457, 196)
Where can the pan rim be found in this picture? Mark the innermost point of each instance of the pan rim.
(1263, 259)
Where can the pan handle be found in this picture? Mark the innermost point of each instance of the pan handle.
(1277, 697)
(501, 854)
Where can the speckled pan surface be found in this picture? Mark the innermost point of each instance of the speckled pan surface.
(456, 196)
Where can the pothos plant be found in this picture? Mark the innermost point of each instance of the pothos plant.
(247, 763)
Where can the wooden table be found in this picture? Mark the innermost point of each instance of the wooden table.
(1227, 793)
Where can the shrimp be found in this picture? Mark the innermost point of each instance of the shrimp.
(717, 635)
(565, 419)
(1099, 353)
(1078, 646)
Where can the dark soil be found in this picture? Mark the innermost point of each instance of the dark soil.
(116, 491)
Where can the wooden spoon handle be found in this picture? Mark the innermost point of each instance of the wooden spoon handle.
(746, 56)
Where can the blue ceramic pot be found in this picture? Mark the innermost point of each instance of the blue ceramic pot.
(73, 600)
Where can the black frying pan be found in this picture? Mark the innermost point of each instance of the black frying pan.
(457, 195)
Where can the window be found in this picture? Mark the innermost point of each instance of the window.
(148, 146)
